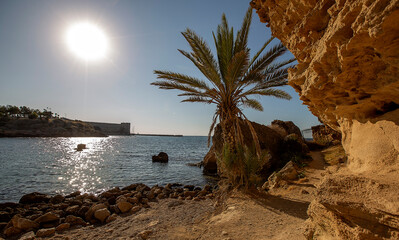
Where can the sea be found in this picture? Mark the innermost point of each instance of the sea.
(53, 166)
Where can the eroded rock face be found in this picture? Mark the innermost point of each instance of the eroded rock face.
(347, 74)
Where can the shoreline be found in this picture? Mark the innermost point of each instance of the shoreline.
(60, 212)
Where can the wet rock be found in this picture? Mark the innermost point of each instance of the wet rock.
(73, 220)
(45, 232)
(47, 217)
(124, 206)
(162, 157)
(62, 227)
(34, 197)
(131, 187)
(102, 214)
(189, 187)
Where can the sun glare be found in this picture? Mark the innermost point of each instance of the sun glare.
(87, 41)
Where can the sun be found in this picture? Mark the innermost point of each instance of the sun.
(87, 41)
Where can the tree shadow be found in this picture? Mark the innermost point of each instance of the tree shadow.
(277, 204)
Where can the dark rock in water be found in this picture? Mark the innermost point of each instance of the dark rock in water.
(34, 197)
(81, 147)
(162, 157)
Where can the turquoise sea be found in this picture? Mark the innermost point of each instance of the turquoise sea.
(52, 165)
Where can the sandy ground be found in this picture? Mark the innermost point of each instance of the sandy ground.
(279, 214)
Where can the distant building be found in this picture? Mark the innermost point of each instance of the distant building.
(112, 128)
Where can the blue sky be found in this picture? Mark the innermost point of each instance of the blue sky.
(38, 71)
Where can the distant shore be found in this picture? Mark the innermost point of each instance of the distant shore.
(156, 135)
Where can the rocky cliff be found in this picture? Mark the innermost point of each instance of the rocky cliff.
(347, 74)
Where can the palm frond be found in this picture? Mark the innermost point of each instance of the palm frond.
(261, 50)
(278, 93)
(203, 54)
(242, 35)
(237, 66)
(252, 103)
(171, 85)
(182, 78)
(198, 99)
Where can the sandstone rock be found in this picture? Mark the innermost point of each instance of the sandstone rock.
(34, 197)
(45, 232)
(324, 135)
(102, 214)
(47, 217)
(289, 171)
(73, 220)
(347, 70)
(62, 227)
(162, 157)
(124, 206)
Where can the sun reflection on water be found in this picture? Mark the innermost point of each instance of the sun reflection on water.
(80, 167)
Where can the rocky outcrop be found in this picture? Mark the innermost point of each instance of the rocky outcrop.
(326, 136)
(47, 128)
(347, 74)
(280, 140)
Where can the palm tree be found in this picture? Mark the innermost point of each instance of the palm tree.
(232, 79)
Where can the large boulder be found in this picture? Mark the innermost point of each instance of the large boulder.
(347, 74)
(280, 148)
(34, 197)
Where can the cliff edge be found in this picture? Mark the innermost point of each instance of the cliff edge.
(347, 74)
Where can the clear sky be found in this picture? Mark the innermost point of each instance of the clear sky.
(38, 70)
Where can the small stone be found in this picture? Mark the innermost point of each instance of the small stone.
(74, 194)
(175, 203)
(224, 233)
(135, 209)
(89, 214)
(26, 224)
(28, 236)
(72, 209)
(45, 232)
(133, 200)
(62, 227)
(111, 218)
(124, 206)
(145, 234)
(57, 199)
(102, 214)
(73, 220)
(47, 217)
(11, 231)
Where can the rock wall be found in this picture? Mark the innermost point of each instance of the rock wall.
(348, 76)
